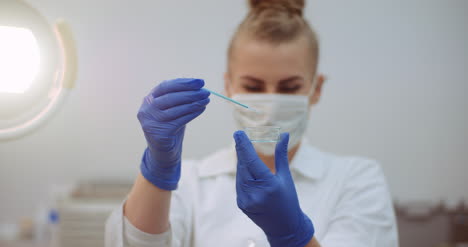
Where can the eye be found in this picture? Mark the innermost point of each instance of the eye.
(290, 88)
(252, 88)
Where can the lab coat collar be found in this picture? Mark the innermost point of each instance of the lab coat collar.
(221, 162)
(308, 162)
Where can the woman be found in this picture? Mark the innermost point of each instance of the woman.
(294, 196)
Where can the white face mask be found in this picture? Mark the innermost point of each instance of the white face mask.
(290, 112)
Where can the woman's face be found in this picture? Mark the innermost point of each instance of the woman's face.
(259, 67)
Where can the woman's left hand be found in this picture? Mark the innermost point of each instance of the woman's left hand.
(270, 200)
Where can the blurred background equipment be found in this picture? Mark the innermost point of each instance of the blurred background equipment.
(75, 217)
(426, 224)
(82, 214)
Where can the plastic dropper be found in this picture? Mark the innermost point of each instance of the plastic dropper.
(231, 100)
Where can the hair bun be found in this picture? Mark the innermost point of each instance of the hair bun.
(293, 7)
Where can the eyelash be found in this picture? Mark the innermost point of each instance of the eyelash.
(281, 89)
(253, 88)
(290, 89)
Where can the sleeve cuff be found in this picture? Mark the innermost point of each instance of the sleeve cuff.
(137, 238)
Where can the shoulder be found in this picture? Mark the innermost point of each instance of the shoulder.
(315, 163)
(359, 167)
(363, 172)
(360, 199)
(356, 178)
(356, 168)
(340, 173)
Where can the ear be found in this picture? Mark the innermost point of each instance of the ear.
(227, 84)
(315, 96)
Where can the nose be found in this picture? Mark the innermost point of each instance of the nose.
(270, 89)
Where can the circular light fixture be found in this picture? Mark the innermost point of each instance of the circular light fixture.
(19, 60)
(38, 65)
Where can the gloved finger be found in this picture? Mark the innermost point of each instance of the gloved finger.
(176, 112)
(281, 154)
(183, 120)
(179, 98)
(247, 156)
(242, 174)
(177, 85)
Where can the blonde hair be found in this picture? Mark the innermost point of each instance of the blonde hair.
(276, 22)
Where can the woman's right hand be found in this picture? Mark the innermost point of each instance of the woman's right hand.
(163, 116)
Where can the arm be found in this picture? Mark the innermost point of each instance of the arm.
(163, 117)
(147, 207)
(313, 243)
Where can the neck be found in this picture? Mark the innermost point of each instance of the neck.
(270, 160)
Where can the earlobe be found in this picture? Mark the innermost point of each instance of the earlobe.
(315, 96)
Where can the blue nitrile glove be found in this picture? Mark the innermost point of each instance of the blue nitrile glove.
(163, 116)
(270, 200)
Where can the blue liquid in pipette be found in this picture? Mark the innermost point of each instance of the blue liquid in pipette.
(231, 100)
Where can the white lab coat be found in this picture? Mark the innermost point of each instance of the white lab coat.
(346, 198)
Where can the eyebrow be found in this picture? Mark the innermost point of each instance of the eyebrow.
(282, 81)
(289, 79)
(250, 78)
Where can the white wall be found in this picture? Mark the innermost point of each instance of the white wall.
(396, 91)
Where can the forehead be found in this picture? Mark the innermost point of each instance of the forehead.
(263, 58)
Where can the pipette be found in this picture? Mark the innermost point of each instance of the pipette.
(231, 100)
